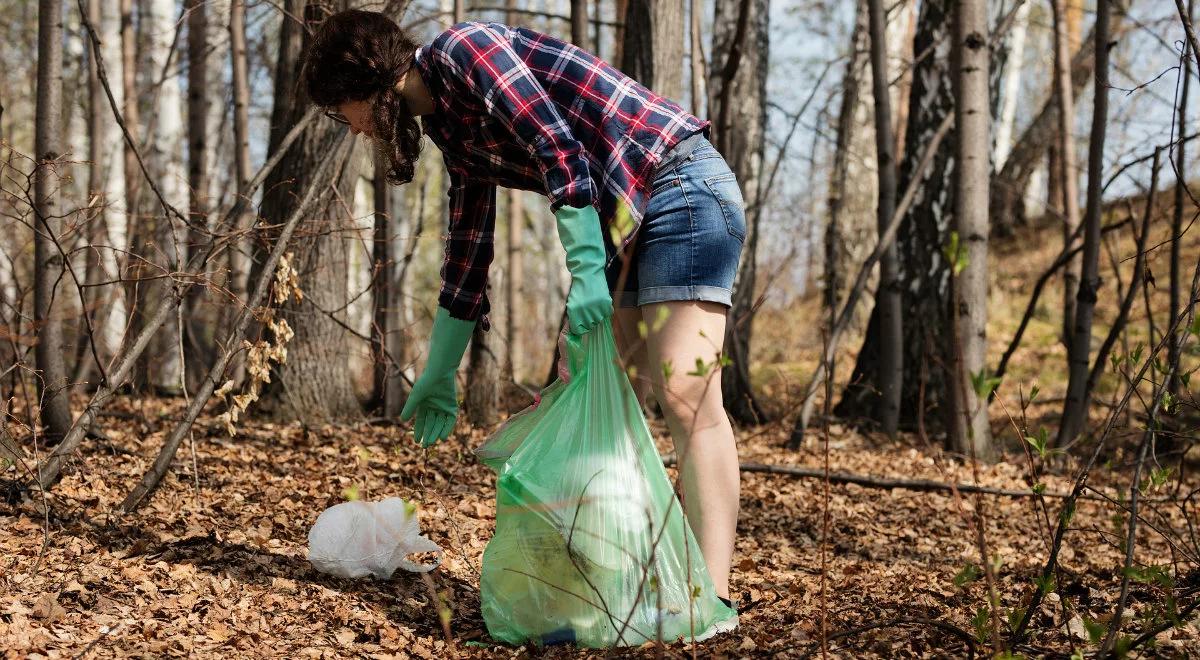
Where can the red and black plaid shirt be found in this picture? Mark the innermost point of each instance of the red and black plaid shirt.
(521, 109)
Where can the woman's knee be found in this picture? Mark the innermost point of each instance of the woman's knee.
(691, 400)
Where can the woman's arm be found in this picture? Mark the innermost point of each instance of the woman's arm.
(469, 248)
(490, 70)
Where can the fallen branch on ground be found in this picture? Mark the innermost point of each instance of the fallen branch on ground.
(888, 483)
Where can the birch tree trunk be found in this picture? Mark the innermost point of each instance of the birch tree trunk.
(239, 261)
(113, 316)
(924, 276)
(166, 152)
(1011, 86)
(53, 395)
(738, 96)
(970, 432)
(1075, 408)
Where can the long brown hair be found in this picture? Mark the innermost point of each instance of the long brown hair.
(359, 55)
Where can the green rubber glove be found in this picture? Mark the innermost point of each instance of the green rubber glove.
(434, 396)
(588, 303)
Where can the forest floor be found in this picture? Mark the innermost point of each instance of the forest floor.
(215, 564)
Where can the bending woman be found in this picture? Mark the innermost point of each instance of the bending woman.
(649, 214)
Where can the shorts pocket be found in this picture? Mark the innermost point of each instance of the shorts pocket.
(725, 188)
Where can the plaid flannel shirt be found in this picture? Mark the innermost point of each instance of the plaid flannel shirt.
(521, 109)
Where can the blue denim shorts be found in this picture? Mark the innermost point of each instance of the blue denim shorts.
(690, 239)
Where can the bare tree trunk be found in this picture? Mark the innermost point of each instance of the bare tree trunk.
(924, 274)
(460, 11)
(891, 363)
(839, 182)
(516, 271)
(654, 45)
(738, 96)
(381, 282)
(699, 71)
(516, 279)
(619, 32)
(1067, 183)
(1075, 408)
(53, 400)
(1011, 181)
(597, 17)
(198, 349)
(314, 384)
(1181, 198)
(1011, 85)
(579, 23)
(970, 432)
(166, 368)
(239, 262)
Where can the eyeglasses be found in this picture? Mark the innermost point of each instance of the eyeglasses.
(337, 116)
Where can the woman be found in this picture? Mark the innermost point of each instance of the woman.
(647, 210)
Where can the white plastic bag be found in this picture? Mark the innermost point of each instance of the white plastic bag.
(355, 539)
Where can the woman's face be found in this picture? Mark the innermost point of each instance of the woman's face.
(358, 115)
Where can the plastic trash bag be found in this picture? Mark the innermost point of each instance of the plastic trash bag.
(356, 539)
(591, 545)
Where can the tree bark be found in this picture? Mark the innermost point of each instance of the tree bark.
(314, 384)
(239, 262)
(653, 47)
(891, 366)
(106, 186)
(1076, 406)
(1067, 181)
(53, 399)
(579, 23)
(619, 32)
(699, 70)
(1181, 198)
(924, 273)
(513, 286)
(166, 152)
(1014, 69)
(738, 95)
(970, 432)
(198, 343)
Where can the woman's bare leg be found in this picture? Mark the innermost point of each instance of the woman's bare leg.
(679, 334)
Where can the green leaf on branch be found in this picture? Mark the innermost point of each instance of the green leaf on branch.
(956, 254)
(984, 383)
(1046, 584)
(1040, 442)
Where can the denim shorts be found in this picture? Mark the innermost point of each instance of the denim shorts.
(691, 236)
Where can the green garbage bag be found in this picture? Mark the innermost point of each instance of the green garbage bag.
(591, 544)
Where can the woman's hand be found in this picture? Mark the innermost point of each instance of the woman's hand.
(434, 397)
(434, 401)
